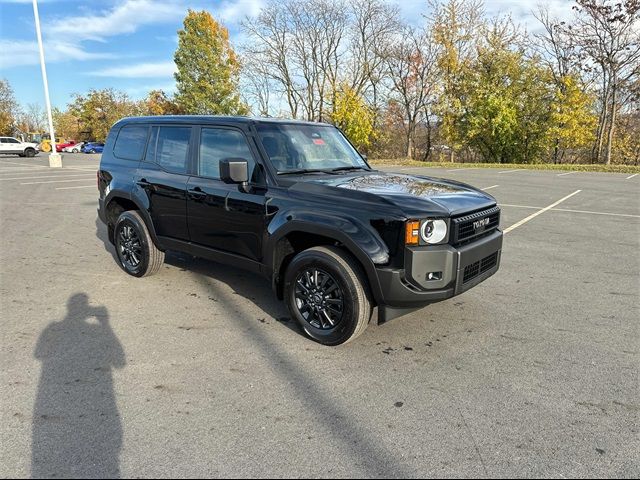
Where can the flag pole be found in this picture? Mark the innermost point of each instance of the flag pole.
(55, 160)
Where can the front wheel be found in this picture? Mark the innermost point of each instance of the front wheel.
(75, 150)
(327, 293)
(30, 152)
(136, 251)
(92, 151)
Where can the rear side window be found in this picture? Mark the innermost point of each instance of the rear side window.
(131, 142)
(169, 148)
(219, 144)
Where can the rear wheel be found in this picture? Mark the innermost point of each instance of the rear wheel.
(75, 150)
(326, 292)
(92, 151)
(136, 251)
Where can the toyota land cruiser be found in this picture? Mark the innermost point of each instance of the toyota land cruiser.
(295, 202)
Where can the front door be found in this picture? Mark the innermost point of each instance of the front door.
(222, 216)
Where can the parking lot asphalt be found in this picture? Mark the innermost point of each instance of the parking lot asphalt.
(198, 371)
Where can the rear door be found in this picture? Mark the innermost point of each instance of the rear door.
(163, 175)
(223, 216)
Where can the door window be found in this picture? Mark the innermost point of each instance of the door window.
(219, 144)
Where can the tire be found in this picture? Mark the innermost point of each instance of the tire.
(30, 152)
(330, 315)
(75, 150)
(130, 227)
(92, 151)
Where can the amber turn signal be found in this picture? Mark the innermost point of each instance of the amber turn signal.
(412, 233)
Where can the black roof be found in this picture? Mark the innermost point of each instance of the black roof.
(218, 119)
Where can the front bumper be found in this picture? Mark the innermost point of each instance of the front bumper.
(461, 268)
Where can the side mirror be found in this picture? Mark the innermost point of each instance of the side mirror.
(234, 170)
(364, 156)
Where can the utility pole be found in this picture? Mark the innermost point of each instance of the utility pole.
(55, 159)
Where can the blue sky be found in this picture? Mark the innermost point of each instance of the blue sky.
(129, 44)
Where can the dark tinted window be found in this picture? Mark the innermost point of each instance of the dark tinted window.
(172, 146)
(218, 144)
(130, 142)
(12, 140)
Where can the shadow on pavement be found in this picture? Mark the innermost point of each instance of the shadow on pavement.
(77, 430)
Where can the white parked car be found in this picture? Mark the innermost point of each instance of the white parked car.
(13, 146)
(75, 148)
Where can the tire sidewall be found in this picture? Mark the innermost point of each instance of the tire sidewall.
(127, 218)
(343, 331)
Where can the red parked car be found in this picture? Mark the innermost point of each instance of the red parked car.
(60, 146)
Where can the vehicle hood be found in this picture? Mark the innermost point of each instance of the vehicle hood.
(415, 195)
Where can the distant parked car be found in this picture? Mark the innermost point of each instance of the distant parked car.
(75, 148)
(61, 146)
(93, 147)
(13, 146)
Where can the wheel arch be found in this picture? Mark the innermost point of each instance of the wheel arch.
(295, 236)
(119, 202)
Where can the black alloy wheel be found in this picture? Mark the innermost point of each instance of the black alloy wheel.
(129, 247)
(319, 299)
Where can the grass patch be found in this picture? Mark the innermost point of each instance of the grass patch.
(405, 162)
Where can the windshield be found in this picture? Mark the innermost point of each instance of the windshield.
(308, 147)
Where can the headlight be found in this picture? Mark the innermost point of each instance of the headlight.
(433, 231)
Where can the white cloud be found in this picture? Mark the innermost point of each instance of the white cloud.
(17, 53)
(126, 17)
(139, 70)
(234, 12)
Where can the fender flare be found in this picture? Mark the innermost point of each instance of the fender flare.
(364, 244)
(142, 206)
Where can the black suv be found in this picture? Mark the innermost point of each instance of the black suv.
(295, 202)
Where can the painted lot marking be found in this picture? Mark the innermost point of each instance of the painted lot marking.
(628, 215)
(631, 176)
(515, 170)
(48, 176)
(55, 181)
(460, 169)
(539, 212)
(562, 174)
(489, 188)
(82, 186)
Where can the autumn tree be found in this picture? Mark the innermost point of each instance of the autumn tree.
(354, 117)
(9, 108)
(98, 110)
(158, 102)
(411, 64)
(207, 68)
(457, 26)
(66, 124)
(608, 34)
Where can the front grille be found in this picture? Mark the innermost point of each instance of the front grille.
(476, 268)
(463, 229)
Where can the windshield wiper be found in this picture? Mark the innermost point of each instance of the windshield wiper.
(352, 167)
(305, 170)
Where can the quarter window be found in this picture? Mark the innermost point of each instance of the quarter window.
(169, 148)
(131, 142)
(219, 144)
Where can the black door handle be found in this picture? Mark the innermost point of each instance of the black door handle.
(143, 183)
(196, 193)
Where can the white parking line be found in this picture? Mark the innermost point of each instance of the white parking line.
(628, 215)
(55, 181)
(539, 212)
(631, 176)
(49, 176)
(23, 164)
(489, 188)
(516, 170)
(459, 169)
(83, 186)
(568, 173)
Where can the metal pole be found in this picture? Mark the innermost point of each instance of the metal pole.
(56, 160)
